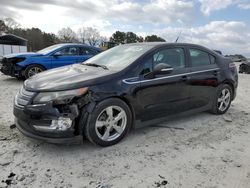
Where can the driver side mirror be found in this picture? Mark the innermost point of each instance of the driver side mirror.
(57, 54)
(162, 68)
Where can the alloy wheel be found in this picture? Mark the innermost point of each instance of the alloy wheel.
(111, 123)
(224, 99)
(34, 70)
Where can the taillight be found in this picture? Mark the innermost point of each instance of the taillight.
(232, 66)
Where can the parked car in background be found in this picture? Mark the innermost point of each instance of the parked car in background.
(28, 64)
(107, 45)
(128, 86)
(245, 67)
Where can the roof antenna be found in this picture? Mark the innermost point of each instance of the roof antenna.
(178, 37)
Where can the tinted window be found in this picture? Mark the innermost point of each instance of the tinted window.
(69, 51)
(174, 57)
(148, 66)
(200, 58)
(212, 59)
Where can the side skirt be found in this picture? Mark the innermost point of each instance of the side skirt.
(140, 124)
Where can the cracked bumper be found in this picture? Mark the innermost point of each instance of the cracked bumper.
(25, 123)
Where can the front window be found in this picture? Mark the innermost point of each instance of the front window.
(171, 56)
(119, 57)
(69, 51)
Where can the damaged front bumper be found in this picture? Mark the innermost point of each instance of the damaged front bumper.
(45, 121)
(35, 123)
(10, 68)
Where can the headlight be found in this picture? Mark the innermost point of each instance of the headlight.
(59, 96)
(17, 59)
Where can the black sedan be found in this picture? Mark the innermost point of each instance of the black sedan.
(127, 86)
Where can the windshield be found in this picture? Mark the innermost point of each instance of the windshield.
(49, 49)
(119, 57)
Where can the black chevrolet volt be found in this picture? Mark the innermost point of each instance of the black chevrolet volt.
(128, 86)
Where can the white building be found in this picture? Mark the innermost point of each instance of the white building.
(10, 44)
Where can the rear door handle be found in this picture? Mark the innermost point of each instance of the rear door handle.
(184, 78)
(215, 73)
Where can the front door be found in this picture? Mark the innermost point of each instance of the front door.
(164, 94)
(65, 56)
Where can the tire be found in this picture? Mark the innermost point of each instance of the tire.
(218, 107)
(33, 68)
(109, 122)
(21, 78)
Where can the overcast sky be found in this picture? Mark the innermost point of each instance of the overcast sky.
(218, 24)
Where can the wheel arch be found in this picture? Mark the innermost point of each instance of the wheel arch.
(228, 82)
(89, 107)
(31, 64)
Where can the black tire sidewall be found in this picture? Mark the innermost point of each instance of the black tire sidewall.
(29, 67)
(215, 107)
(89, 129)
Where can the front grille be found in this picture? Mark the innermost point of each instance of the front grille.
(6, 66)
(4, 61)
(23, 97)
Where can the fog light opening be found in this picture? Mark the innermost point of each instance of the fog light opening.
(62, 123)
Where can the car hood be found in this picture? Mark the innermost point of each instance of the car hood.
(67, 77)
(27, 54)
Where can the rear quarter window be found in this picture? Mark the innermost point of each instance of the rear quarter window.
(87, 51)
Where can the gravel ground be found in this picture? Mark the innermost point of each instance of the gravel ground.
(201, 150)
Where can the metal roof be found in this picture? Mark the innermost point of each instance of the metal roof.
(11, 39)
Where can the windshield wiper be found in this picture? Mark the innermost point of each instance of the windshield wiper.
(96, 65)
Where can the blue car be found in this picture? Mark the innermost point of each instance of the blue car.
(25, 65)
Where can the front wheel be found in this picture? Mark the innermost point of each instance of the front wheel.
(222, 100)
(109, 122)
(32, 70)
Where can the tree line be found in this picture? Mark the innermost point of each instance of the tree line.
(38, 39)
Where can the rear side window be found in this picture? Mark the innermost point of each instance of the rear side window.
(200, 58)
(86, 51)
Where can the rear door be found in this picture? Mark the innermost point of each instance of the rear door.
(203, 77)
(85, 53)
(65, 56)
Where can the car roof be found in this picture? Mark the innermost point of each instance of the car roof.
(76, 44)
(164, 43)
(159, 44)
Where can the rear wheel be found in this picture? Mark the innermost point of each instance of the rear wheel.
(109, 122)
(32, 70)
(222, 100)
